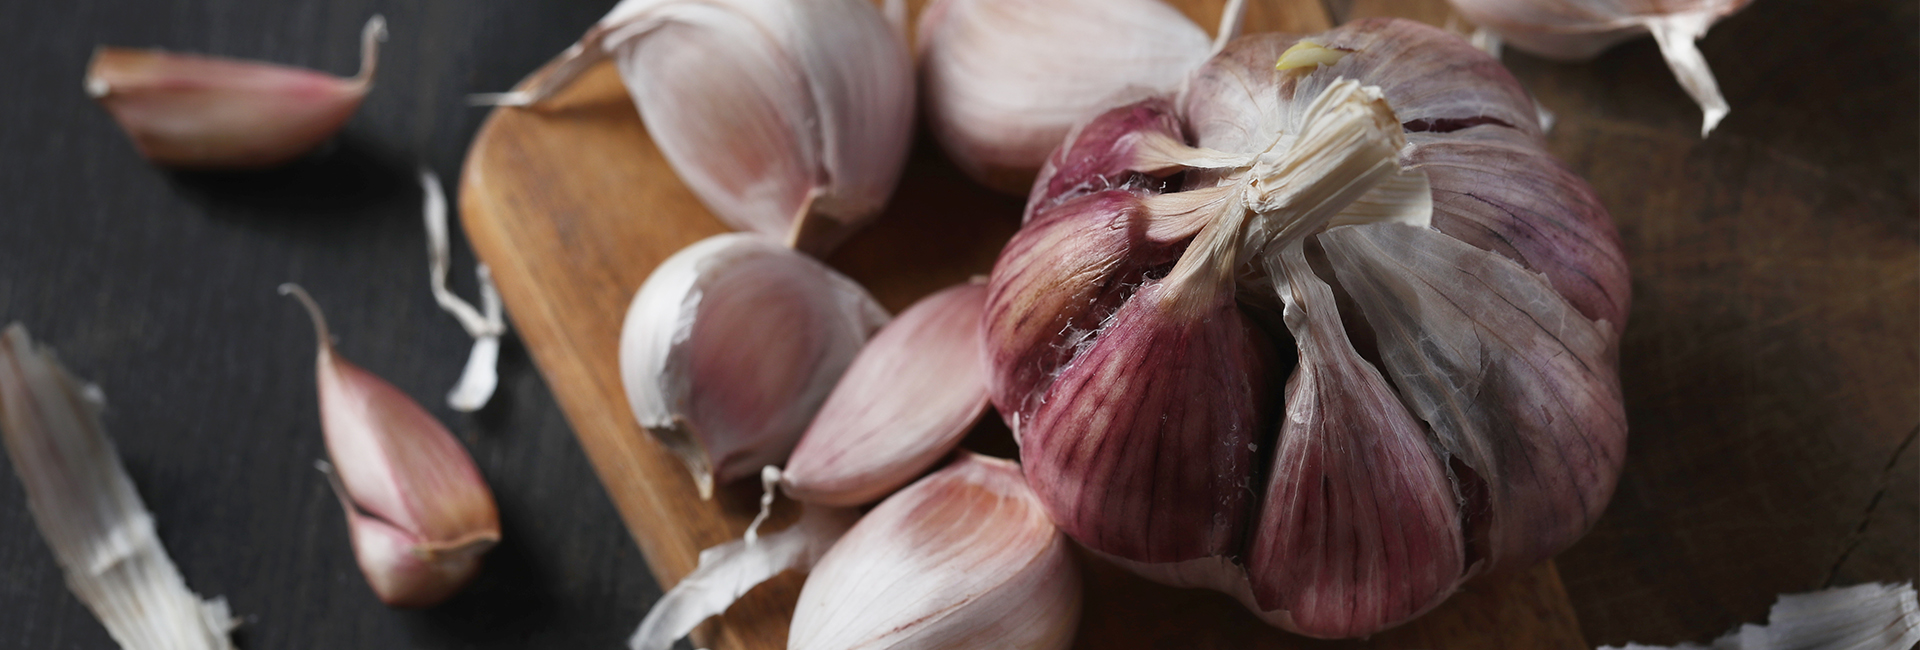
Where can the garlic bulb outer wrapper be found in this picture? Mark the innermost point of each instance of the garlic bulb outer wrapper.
(731, 346)
(86, 507)
(790, 118)
(911, 394)
(1005, 80)
(418, 511)
(192, 111)
(963, 558)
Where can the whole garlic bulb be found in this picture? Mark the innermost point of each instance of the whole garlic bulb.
(1330, 331)
(1574, 30)
(1004, 80)
(790, 118)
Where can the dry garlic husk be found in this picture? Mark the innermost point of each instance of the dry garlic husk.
(419, 513)
(728, 571)
(963, 558)
(789, 118)
(1870, 616)
(191, 111)
(87, 509)
(1004, 80)
(1576, 30)
(910, 396)
(1329, 331)
(731, 346)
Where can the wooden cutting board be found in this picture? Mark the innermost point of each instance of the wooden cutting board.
(572, 206)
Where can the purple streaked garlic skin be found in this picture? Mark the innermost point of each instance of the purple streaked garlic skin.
(200, 112)
(910, 395)
(1240, 353)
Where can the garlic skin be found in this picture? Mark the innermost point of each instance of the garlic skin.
(911, 394)
(419, 513)
(200, 112)
(963, 558)
(1577, 30)
(790, 118)
(732, 345)
(1328, 331)
(86, 507)
(1003, 81)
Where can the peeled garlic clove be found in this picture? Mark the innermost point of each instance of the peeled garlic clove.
(1575, 30)
(87, 509)
(1004, 80)
(732, 345)
(963, 558)
(787, 118)
(418, 509)
(185, 110)
(911, 394)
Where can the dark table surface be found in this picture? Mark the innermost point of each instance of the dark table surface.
(160, 287)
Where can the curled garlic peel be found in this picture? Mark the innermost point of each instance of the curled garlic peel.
(731, 346)
(790, 118)
(192, 111)
(1331, 339)
(1574, 30)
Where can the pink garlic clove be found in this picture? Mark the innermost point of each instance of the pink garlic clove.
(420, 513)
(911, 394)
(192, 111)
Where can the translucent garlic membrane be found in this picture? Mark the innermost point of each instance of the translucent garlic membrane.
(1576, 30)
(1331, 339)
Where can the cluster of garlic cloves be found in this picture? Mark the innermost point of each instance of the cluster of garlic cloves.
(191, 111)
(1575, 30)
(419, 513)
(732, 345)
(1329, 321)
(788, 118)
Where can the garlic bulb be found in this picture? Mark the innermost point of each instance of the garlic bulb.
(185, 110)
(86, 507)
(964, 558)
(1574, 30)
(1004, 80)
(1329, 331)
(418, 511)
(730, 347)
(790, 118)
(909, 397)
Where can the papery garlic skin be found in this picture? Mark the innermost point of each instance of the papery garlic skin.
(1360, 351)
(1576, 30)
(200, 112)
(731, 346)
(86, 507)
(419, 513)
(963, 558)
(1004, 80)
(790, 118)
(909, 397)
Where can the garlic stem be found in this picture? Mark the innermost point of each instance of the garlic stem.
(1676, 35)
(481, 375)
(371, 36)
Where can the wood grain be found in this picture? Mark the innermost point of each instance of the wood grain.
(572, 206)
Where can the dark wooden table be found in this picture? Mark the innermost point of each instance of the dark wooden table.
(1772, 366)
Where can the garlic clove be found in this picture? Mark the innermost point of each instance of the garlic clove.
(1005, 80)
(908, 398)
(86, 507)
(191, 111)
(403, 479)
(732, 345)
(791, 119)
(963, 558)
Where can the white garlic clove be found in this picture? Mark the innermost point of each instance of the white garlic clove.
(86, 507)
(910, 396)
(787, 118)
(403, 479)
(1005, 80)
(731, 346)
(963, 558)
(191, 111)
